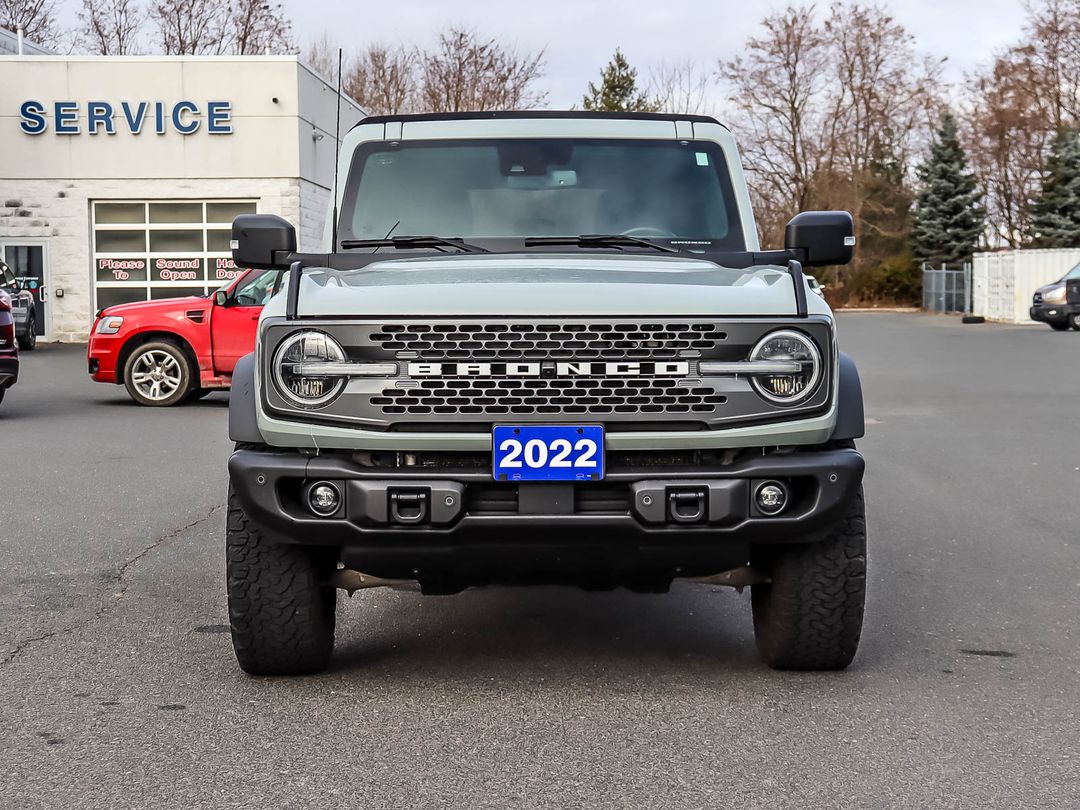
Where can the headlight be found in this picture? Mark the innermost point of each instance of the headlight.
(787, 389)
(1055, 296)
(295, 376)
(109, 325)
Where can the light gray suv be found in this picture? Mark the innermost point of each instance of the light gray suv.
(545, 348)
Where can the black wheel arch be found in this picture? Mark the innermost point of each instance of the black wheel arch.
(243, 426)
(850, 419)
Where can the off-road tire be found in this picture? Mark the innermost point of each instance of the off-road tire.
(810, 616)
(28, 342)
(1074, 321)
(280, 612)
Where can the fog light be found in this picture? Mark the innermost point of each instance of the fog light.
(324, 499)
(771, 498)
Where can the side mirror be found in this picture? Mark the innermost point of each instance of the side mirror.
(818, 238)
(221, 298)
(262, 241)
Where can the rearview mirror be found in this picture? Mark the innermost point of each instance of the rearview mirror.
(262, 241)
(818, 238)
(221, 298)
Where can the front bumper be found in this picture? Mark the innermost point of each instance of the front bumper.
(471, 523)
(102, 352)
(9, 370)
(1052, 313)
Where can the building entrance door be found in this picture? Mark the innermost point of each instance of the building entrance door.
(28, 259)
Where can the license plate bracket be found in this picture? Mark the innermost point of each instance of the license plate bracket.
(547, 452)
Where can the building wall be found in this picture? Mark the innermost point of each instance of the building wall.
(60, 213)
(280, 152)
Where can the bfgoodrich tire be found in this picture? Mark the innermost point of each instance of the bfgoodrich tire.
(810, 616)
(280, 612)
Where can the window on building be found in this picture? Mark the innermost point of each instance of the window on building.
(151, 249)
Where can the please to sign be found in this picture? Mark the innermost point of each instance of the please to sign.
(104, 117)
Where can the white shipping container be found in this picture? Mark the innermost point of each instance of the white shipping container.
(1002, 283)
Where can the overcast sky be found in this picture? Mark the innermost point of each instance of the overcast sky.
(579, 36)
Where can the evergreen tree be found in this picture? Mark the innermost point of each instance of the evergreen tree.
(1056, 214)
(618, 90)
(949, 216)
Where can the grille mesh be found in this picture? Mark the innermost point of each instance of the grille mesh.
(654, 395)
(557, 341)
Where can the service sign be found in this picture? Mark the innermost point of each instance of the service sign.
(128, 117)
(121, 269)
(179, 269)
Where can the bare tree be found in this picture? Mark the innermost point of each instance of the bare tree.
(383, 80)
(467, 72)
(191, 27)
(37, 18)
(321, 55)
(777, 92)
(679, 87)
(256, 26)
(110, 27)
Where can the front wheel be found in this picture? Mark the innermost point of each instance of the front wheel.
(810, 615)
(1074, 321)
(158, 374)
(281, 612)
(28, 342)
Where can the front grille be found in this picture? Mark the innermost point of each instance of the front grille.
(582, 397)
(558, 341)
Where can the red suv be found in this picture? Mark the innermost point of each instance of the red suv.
(168, 351)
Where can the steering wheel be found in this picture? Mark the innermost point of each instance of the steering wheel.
(647, 232)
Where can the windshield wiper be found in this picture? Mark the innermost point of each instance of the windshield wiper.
(598, 240)
(407, 242)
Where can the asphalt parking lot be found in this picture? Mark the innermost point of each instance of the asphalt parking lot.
(118, 686)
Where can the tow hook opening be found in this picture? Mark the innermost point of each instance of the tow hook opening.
(409, 506)
(687, 505)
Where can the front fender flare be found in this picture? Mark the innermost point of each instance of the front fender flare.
(850, 420)
(243, 426)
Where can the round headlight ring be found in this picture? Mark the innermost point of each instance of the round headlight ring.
(321, 348)
(814, 358)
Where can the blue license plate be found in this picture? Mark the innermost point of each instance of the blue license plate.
(548, 452)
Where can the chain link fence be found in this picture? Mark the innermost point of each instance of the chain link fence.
(946, 289)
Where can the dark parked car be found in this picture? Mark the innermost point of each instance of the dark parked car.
(1049, 304)
(23, 308)
(9, 348)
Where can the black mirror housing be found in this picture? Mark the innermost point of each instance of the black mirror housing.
(221, 298)
(819, 238)
(262, 241)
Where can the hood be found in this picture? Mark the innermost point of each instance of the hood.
(544, 285)
(161, 306)
(1054, 285)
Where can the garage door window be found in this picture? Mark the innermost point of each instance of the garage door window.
(146, 250)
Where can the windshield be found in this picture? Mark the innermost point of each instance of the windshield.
(1074, 273)
(512, 188)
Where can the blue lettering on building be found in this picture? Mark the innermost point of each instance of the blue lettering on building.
(106, 118)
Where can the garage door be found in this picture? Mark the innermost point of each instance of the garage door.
(149, 249)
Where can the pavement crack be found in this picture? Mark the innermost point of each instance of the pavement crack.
(119, 578)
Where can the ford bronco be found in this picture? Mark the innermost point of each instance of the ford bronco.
(544, 348)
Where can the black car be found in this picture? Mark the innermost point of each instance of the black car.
(1050, 306)
(9, 348)
(23, 308)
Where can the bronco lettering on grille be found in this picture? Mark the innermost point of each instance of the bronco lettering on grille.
(551, 369)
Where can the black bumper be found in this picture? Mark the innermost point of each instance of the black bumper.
(1052, 313)
(9, 370)
(462, 520)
